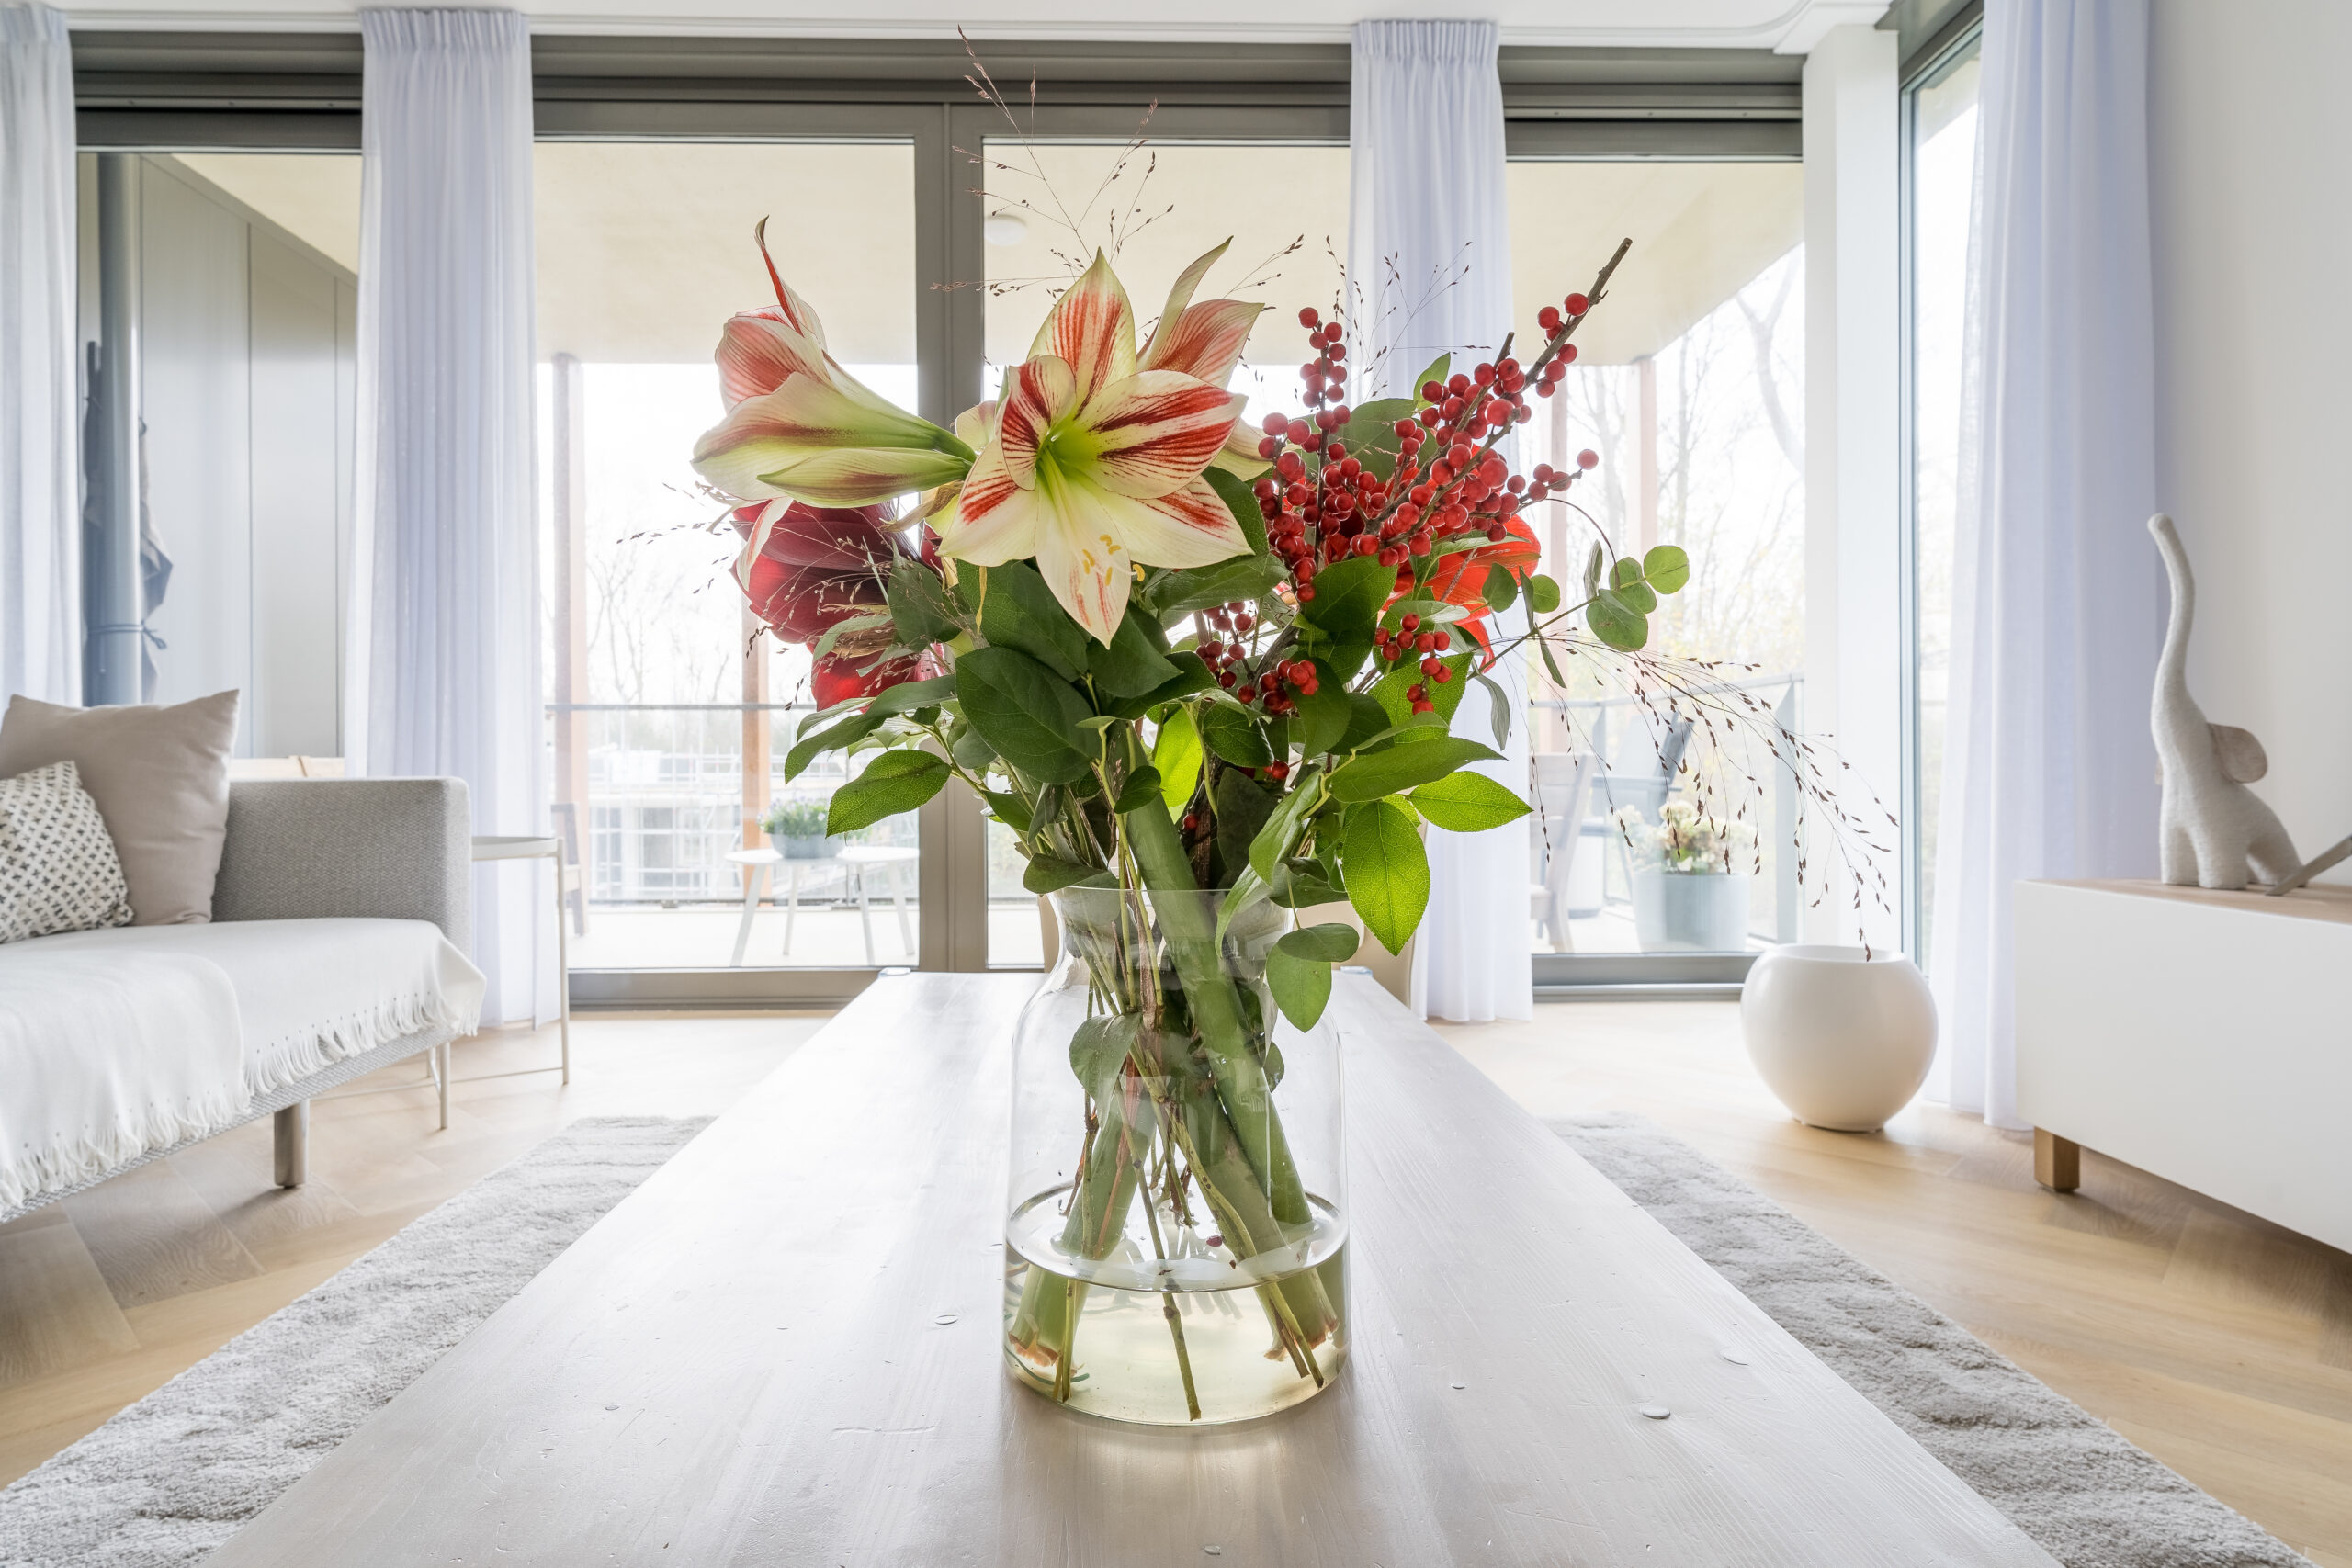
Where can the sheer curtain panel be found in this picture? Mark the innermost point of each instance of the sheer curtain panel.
(1428, 268)
(2057, 614)
(445, 627)
(40, 577)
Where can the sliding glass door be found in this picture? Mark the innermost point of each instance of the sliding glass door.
(1663, 844)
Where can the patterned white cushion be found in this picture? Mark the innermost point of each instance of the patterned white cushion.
(58, 868)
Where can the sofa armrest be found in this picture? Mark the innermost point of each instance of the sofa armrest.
(388, 849)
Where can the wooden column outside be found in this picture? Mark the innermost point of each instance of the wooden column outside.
(758, 726)
(571, 684)
(1646, 477)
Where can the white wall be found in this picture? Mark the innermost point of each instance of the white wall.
(2251, 142)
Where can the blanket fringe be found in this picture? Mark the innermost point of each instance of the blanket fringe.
(296, 1057)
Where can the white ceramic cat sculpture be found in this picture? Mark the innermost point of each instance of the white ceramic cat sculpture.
(2216, 833)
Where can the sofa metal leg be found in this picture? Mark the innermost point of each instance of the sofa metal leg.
(291, 1138)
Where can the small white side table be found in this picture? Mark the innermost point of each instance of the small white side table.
(859, 862)
(499, 846)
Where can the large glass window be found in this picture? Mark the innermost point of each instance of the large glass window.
(1689, 387)
(670, 706)
(1153, 210)
(1941, 115)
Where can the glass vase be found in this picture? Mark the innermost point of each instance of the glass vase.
(1176, 1234)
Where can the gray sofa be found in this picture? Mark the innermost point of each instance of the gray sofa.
(327, 850)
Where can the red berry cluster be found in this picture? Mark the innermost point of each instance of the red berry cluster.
(1322, 505)
(1221, 649)
(1410, 637)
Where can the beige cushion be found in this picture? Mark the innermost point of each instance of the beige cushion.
(160, 778)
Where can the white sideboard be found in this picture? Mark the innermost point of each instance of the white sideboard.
(2203, 1036)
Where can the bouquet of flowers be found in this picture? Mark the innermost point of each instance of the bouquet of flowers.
(1685, 841)
(1207, 674)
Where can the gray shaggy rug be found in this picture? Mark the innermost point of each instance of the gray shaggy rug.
(170, 1478)
(2089, 1498)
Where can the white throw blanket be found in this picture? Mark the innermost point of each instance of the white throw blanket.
(115, 1044)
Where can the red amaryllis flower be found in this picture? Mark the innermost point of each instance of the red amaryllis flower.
(807, 569)
(1461, 578)
(838, 680)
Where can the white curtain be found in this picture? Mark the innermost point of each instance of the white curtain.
(445, 627)
(40, 577)
(2048, 770)
(1429, 265)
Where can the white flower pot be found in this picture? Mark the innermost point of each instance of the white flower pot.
(1845, 1043)
(1679, 911)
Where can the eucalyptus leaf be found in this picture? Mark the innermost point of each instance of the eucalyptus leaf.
(1388, 872)
(1468, 803)
(1030, 717)
(1543, 595)
(1502, 588)
(1615, 622)
(1630, 586)
(1498, 711)
(1334, 942)
(893, 782)
(1666, 568)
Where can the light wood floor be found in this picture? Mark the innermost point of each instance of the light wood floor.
(2218, 1342)
(2222, 1344)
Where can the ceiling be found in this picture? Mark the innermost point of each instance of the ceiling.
(1790, 25)
(645, 247)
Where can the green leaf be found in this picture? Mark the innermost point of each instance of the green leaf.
(1191, 676)
(1242, 808)
(1615, 622)
(919, 609)
(1551, 665)
(1333, 944)
(972, 753)
(1498, 711)
(1032, 719)
(1543, 595)
(1376, 773)
(1050, 873)
(1011, 809)
(1468, 803)
(872, 621)
(1233, 735)
(1346, 606)
(1630, 586)
(1177, 756)
(892, 783)
(1242, 502)
(1302, 986)
(1018, 611)
(1440, 370)
(1666, 568)
(1141, 789)
(1099, 1049)
(1388, 872)
(1197, 588)
(1297, 889)
(1502, 587)
(1273, 841)
(909, 695)
(1133, 665)
(1366, 718)
(1323, 719)
(831, 738)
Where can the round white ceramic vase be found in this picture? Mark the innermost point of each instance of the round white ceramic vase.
(1844, 1041)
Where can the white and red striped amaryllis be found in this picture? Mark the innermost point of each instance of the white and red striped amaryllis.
(800, 427)
(1094, 459)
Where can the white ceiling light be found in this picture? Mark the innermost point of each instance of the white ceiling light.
(1005, 229)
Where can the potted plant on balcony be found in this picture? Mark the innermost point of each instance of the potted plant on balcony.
(796, 828)
(1689, 878)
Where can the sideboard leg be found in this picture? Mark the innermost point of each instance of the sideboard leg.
(2057, 1162)
(291, 1138)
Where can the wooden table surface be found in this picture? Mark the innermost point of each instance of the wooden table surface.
(782, 1349)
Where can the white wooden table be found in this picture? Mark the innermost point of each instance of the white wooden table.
(782, 1349)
